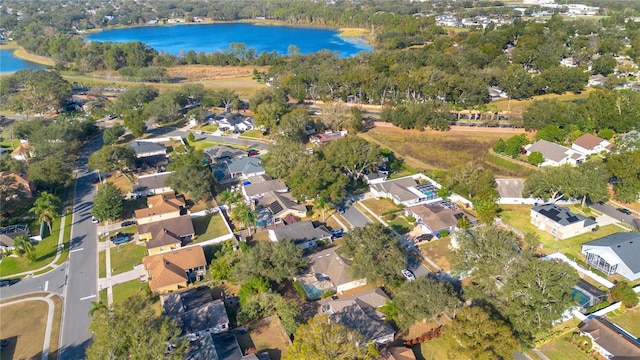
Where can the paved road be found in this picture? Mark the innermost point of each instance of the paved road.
(611, 211)
(82, 270)
(416, 266)
(53, 281)
(354, 216)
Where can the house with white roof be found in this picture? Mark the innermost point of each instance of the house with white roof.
(407, 191)
(554, 154)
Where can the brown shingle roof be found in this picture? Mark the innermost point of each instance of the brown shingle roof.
(437, 217)
(612, 339)
(167, 232)
(588, 141)
(160, 204)
(170, 268)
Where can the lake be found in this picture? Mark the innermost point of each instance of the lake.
(178, 39)
(10, 63)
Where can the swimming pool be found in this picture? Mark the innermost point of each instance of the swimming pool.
(312, 291)
(429, 190)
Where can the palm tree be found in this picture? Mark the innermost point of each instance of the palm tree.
(96, 306)
(322, 204)
(46, 208)
(244, 214)
(25, 247)
(227, 197)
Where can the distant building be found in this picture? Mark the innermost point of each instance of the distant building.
(14, 186)
(589, 144)
(554, 154)
(328, 136)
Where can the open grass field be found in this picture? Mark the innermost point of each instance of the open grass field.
(209, 227)
(265, 335)
(521, 105)
(45, 252)
(123, 257)
(519, 217)
(24, 326)
(128, 289)
(381, 206)
(628, 320)
(431, 149)
(353, 32)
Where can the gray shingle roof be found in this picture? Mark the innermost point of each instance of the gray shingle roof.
(549, 150)
(361, 317)
(223, 152)
(195, 310)
(301, 231)
(155, 181)
(562, 215)
(145, 147)
(625, 244)
(398, 188)
(246, 165)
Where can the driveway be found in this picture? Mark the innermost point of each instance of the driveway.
(355, 217)
(612, 212)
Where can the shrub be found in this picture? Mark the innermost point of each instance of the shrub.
(443, 233)
(623, 292)
(328, 293)
(300, 290)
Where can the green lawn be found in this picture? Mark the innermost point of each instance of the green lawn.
(511, 165)
(398, 223)
(435, 349)
(381, 206)
(128, 289)
(560, 349)
(209, 227)
(210, 128)
(103, 297)
(123, 257)
(102, 264)
(628, 321)
(253, 134)
(9, 144)
(203, 144)
(45, 252)
(519, 217)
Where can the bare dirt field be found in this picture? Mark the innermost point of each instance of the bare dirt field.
(209, 72)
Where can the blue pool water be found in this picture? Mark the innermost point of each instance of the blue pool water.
(312, 291)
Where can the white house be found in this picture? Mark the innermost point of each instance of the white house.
(590, 144)
(560, 222)
(554, 154)
(617, 253)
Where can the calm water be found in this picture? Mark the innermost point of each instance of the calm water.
(10, 63)
(208, 38)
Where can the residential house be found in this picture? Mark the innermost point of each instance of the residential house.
(629, 141)
(222, 346)
(245, 167)
(14, 185)
(223, 153)
(597, 80)
(375, 177)
(496, 94)
(302, 233)
(569, 62)
(408, 190)
(328, 272)
(609, 340)
(152, 184)
(175, 270)
(166, 235)
(148, 149)
(359, 312)
(554, 154)
(273, 207)
(590, 144)
(234, 121)
(397, 353)
(256, 187)
(560, 221)
(196, 312)
(615, 254)
(9, 233)
(327, 136)
(23, 152)
(161, 207)
(435, 217)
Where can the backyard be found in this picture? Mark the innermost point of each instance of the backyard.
(518, 216)
(438, 251)
(124, 257)
(265, 335)
(628, 320)
(209, 227)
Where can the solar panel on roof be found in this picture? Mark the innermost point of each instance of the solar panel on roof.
(275, 207)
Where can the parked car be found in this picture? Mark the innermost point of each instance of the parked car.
(337, 233)
(199, 132)
(120, 238)
(8, 282)
(128, 223)
(424, 237)
(408, 274)
(624, 211)
(253, 152)
(340, 209)
(94, 220)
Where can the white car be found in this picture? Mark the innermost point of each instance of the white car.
(94, 220)
(199, 132)
(408, 274)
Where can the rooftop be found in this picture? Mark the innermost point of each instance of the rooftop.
(625, 244)
(261, 184)
(160, 204)
(195, 310)
(589, 141)
(146, 147)
(550, 151)
(328, 263)
(167, 232)
(246, 165)
(611, 338)
(398, 188)
(152, 181)
(301, 231)
(222, 152)
(562, 215)
(170, 268)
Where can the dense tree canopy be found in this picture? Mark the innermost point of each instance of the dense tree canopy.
(376, 253)
(423, 298)
(276, 261)
(107, 204)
